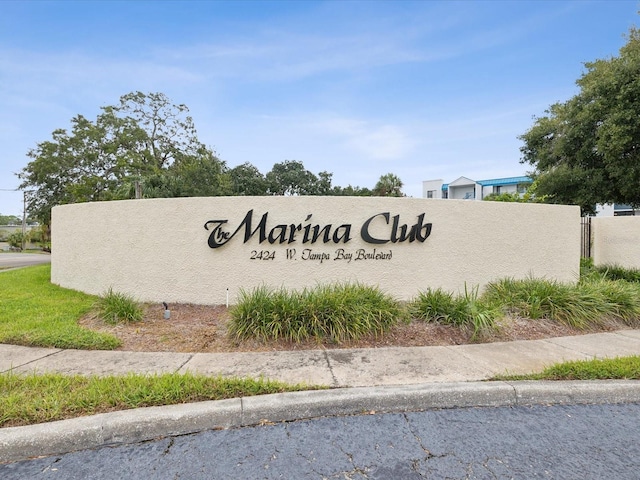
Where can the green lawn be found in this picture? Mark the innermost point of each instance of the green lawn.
(35, 312)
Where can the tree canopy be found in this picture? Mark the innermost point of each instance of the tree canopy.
(246, 179)
(586, 150)
(144, 143)
(10, 220)
(147, 147)
(351, 191)
(291, 178)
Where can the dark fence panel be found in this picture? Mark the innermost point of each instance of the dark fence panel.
(585, 238)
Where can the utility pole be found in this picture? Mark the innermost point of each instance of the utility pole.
(24, 217)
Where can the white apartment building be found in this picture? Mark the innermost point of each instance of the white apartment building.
(464, 188)
(615, 210)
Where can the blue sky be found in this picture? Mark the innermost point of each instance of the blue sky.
(422, 89)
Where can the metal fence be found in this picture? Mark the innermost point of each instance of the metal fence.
(585, 237)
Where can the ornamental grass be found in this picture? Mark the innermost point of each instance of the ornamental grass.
(589, 302)
(467, 310)
(116, 307)
(334, 312)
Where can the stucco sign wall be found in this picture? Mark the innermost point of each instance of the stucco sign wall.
(615, 241)
(200, 250)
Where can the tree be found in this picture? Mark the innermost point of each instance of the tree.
(504, 197)
(165, 130)
(15, 240)
(323, 184)
(389, 185)
(82, 165)
(587, 150)
(291, 178)
(10, 220)
(246, 179)
(143, 141)
(200, 175)
(527, 197)
(351, 191)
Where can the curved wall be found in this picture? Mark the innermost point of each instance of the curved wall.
(159, 249)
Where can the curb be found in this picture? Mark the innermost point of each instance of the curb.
(142, 424)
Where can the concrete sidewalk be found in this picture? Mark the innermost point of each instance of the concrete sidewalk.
(339, 367)
(379, 380)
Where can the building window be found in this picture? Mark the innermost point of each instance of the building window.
(497, 189)
(522, 188)
(445, 194)
(431, 193)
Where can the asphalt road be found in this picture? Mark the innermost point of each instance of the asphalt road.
(15, 260)
(555, 442)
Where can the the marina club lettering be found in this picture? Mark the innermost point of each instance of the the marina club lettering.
(307, 232)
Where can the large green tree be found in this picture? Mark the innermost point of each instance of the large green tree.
(84, 164)
(288, 178)
(246, 179)
(587, 150)
(145, 146)
(292, 178)
(201, 174)
(165, 130)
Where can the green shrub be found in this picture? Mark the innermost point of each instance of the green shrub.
(15, 239)
(114, 307)
(588, 303)
(466, 310)
(336, 312)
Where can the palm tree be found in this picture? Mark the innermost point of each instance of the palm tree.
(389, 185)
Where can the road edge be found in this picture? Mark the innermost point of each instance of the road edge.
(142, 424)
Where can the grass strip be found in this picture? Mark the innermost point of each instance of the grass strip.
(34, 312)
(619, 368)
(34, 398)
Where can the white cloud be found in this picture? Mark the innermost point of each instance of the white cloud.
(377, 142)
(286, 52)
(387, 142)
